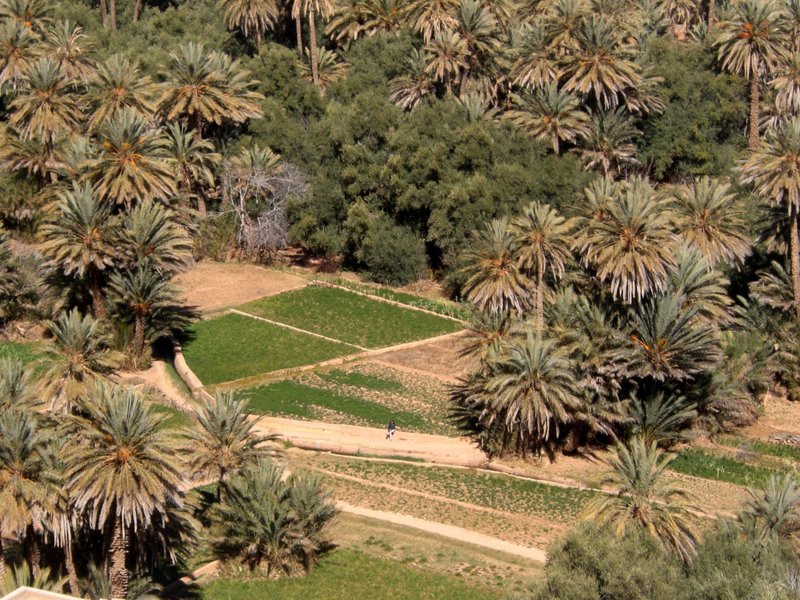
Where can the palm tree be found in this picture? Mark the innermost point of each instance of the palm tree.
(608, 142)
(549, 114)
(494, 283)
(774, 170)
(67, 43)
(787, 85)
(410, 89)
(30, 14)
(118, 84)
(562, 22)
(18, 50)
(21, 576)
(543, 239)
(534, 67)
(330, 67)
(225, 440)
(195, 162)
(433, 17)
(134, 162)
(446, 54)
(17, 386)
(701, 285)
(80, 239)
(712, 221)
(533, 392)
(311, 8)
(662, 418)
(253, 17)
(207, 87)
(774, 510)
(84, 357)
(628, 240)
(751, 42)
(121, 469)
(150, 234)
(645, 499)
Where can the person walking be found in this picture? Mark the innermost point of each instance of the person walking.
(390, 430)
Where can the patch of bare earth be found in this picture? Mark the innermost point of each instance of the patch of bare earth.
(779, 415)
(441, 359)
(212, 286)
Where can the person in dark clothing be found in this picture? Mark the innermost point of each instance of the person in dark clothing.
(390, 429)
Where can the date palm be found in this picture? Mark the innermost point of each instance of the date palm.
(80, 236)
(774, 171)
(67, 43)
(384, 16)
(225, 440)
(535, 66)
(700, 285)
(495, 285)
(121, 469)
(543, 241)
(17, 387)
(204, 87)
(408, 90)
(608, 142)
(787, 84)
(712, 221)
(253, 17)
(18, 50)
(433, 17)
(311, 8)
(446, 56)
(549, 114)
(134, 162)
(630, 243)
(752, 42)
(774, 510)
(478, 28)
(119, 84)
(562, 22)
(30, 14)
(330, 68)
(151, 234)
(195, 162)
(646, 499)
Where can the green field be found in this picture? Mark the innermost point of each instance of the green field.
(26, 352)
(700, 463)
(349, 317)
(296, 400)
(233, 346)
(351, 575)
(362, 380)
(768, 448)
(175, 418)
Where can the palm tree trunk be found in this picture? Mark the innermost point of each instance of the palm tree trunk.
(312, 32)
(794, 248)
(32, 553)
(69, 559)
(138, 335)
(752, 126)
(712, 14)
(2, 561)
(96, 292)
(112, 6)
(119, 556)
(298, 25)
(258, 40)
(540, 293)
(104, 12)
(201, 203)
(137, 8)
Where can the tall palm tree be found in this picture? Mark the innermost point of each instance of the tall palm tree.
(628, 240)
(310, 8)
(121, 469)
(67, 43)
(253, 17)
(494, 283)
(645, 499)
(543, 239)
(80, 239)
(751, 42)
(134, 162)
(774, 510)
(118, 84)
(446, 54)
(225, 439)
(151, 234)
(774, 170)
(550, 114)
(787, 85)
(84, 357)
(712, 220)
(204, 87)
(195, 163)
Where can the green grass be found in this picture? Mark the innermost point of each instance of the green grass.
(233, 346)
(23, 351)
(778, 450)
(349, 317)
(351, 575)
(362, 380)
(699, 463)
(293, 399)
(176, 418)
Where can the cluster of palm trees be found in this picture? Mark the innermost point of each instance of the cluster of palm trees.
(617, 316)
(102, 489)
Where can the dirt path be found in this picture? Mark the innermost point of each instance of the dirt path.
(351, 439)
(158, 377)
(448, 531)
(212, 286)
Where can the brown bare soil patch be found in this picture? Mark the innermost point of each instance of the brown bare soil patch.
(440, 359)
(212, 286)
(779, 415)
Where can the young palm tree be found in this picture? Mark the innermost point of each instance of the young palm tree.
(121, 469)
(410, 89)
(550, 114)
(774, 510)
(774, 170)
(195, 163)
(253, 17)
(330, 68)
(67, 43)
(712, 221)
(118, 84)
(17, 386)
(494, 283)
(310, 8)
(80, 239)
(630, 242)
(543, 239)
(662, 418)
(84, 358)
(751, 42)
(22, 576)
(207, 87)
(150, 234)
(134, 163)
(225, 440)
(608, 142)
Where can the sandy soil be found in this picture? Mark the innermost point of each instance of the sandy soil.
(779, 415)
(439, 359)
(212, 286)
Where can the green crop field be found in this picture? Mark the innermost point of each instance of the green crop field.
(362, 380)
(234, 346)
(349, 317)
(355, 576)
(23, 351)
(700, 463)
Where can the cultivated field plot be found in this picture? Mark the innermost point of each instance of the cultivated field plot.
(23, 351)
(233, 346)
(350, 318)
(365, 394)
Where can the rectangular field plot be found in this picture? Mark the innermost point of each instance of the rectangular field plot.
(233, 346)
(349, 317)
